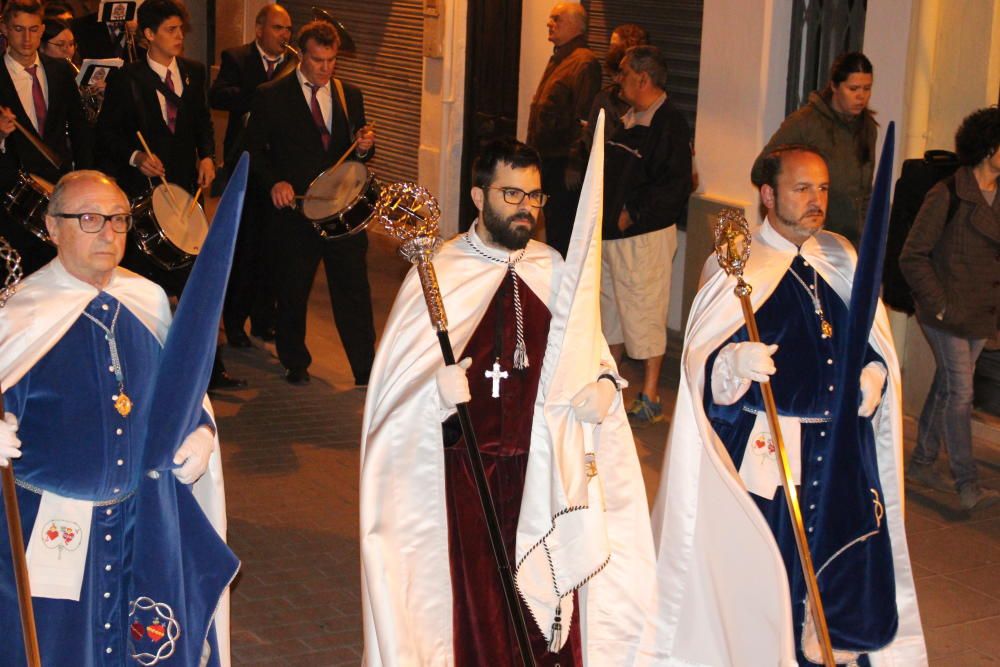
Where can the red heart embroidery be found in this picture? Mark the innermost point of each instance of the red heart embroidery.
(52, 533)
(137, 630)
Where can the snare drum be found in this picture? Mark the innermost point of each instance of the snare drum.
(163, 232)
(27, 202)
(340, 201)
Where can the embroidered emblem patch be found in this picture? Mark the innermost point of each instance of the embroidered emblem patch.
(154, 631)
(61, 535)
(763, 446)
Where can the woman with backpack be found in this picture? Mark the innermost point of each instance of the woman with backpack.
(951, 261)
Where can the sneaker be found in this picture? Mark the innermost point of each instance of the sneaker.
(925, 474)
(972, 496)
(644, 411)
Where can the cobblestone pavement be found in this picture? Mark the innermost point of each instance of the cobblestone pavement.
(291, 465)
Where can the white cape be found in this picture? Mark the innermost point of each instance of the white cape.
(596, 530)
(44, 307)
(722, 596)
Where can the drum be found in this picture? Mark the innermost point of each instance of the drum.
(27, 202)
(169, 230)
(340, 201)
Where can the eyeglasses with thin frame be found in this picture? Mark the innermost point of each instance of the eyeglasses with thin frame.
(93, 223)
(515, 196)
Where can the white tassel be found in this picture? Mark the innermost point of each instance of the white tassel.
(556, 642)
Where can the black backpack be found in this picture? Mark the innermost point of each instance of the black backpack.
(918, 176)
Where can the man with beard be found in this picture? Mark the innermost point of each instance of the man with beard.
(724, 592)
(431, 591)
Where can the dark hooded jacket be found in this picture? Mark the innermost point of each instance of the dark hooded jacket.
(849, 148)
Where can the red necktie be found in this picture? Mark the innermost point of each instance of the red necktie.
(270, 67)
(171, 107)
(38, 97)
(318, 117)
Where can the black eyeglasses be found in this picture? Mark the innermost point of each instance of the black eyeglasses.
(515, 196)
(93, 223)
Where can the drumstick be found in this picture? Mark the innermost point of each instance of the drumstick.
(349, 149)
(163, 179)
(39, 146)
(192, 204)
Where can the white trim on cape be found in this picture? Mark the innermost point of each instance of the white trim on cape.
(710, 534)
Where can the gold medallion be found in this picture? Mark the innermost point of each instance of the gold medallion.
(826, 329)
(123, 404)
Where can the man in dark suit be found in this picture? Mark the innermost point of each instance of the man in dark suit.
(244, 68)
(164, 96)
(300, 125)
(41, 95)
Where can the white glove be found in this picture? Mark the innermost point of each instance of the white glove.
(736, 365)
(193, 455)
(872, 381)
(593, 402)
(10, 445)
(453, 384)
(752, 361)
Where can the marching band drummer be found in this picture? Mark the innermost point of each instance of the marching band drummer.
(163, 96)
(300, 125)
(40, 93)
(250, 293)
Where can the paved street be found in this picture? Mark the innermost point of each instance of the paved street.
(291, 466)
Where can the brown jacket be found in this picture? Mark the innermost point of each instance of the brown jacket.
(954, 266)
(563, 99)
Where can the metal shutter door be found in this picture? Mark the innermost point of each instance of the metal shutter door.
(673, 25)
(388, 68)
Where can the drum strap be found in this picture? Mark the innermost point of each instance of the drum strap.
(343, 105)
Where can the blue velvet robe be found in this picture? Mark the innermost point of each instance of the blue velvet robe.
(76, 444)
(840, 494)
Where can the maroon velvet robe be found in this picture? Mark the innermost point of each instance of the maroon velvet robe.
(483, 633)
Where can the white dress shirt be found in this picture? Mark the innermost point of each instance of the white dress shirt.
(324, 95)
(23, 83)
(264, 57)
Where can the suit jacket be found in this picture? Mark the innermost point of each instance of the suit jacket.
(66, 130)
(240, 73)
(283, 140)
(131, 104)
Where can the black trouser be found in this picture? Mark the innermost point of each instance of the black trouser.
(298, 251)
(250, 293)
(560, 210)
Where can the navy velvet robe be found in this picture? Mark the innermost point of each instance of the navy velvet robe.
(840, 494)
(77, 445)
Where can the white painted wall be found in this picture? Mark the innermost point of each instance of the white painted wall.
(741, 91)
(439, 162)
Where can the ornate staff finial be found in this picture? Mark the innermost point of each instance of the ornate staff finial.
(732, 246)
(12, 264)
(410, 213)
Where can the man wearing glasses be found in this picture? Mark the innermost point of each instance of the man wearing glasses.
(80, 342)
(430, 585)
